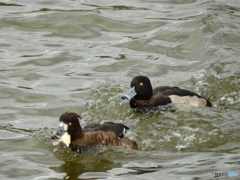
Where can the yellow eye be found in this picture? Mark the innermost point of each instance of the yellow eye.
(70, 124)
(141, 84)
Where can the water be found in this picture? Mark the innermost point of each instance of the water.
(80, 56)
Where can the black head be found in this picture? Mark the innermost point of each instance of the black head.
(70, 118)
(69, 128)
(143, 87)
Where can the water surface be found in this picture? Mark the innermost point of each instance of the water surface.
(80, 56)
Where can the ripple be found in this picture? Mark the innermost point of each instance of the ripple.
(80, 56)
(8, 135)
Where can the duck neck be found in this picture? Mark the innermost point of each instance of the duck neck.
(76, 133)
(145, 94)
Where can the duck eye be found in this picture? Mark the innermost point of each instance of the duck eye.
(141, 84)
(70, 124)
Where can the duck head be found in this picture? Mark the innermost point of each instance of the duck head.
(68, 129)
(140, 89)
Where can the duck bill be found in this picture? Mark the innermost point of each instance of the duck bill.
(61, 136)
(130, 93)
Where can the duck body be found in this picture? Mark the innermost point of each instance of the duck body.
(107, 134)
(142, 95)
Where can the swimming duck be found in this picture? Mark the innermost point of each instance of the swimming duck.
(142, 95)
(72, 135)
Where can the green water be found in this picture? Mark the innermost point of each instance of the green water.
(80, 56)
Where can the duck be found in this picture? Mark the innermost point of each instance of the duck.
(74, 136)
(142, 95)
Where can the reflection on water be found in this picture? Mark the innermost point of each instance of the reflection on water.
(80, 56)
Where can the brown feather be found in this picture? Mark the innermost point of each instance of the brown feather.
(107, 134)
(92, 138)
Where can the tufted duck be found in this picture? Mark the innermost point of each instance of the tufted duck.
(72, 135)
(142, 95)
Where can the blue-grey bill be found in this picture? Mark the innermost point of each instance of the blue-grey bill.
(130, 94)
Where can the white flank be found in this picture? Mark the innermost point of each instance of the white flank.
(192, 100)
